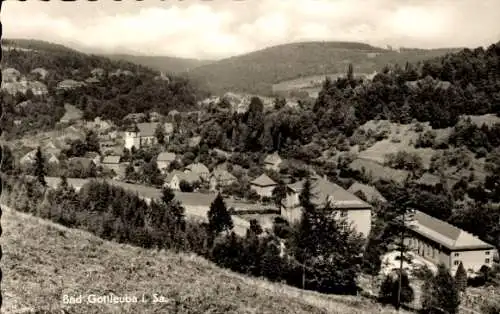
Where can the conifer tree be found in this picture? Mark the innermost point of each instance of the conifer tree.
(160, 133)
(390, 286)
(461, 277)
(440, 293)
(219, 218)
(40, 171)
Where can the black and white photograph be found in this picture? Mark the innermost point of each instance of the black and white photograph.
(250, 156)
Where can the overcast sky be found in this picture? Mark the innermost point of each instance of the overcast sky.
(222, 28)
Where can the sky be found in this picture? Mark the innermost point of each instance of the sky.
(216, 29)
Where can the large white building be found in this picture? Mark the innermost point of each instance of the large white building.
(346, 205)
(144, 135)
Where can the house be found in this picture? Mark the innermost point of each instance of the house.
(142, 136)
(92, 80)
(194, 141)
(345, 205)
(41, 72)
(174, 179)
(10, 75)
(221, 178)
(69, 84)
(154, 116)
(112, 162)
(98, 125)
(169, 130)
(29, 158)
(371, 193)
(94, 156)
(164, 160)
(85, 162)
(263, 185)
(200, 169)
(440, 242)
(98, 72)
(72, 114)
(272, 162)
(135, 117)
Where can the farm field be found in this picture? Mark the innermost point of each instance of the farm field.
(36, 277)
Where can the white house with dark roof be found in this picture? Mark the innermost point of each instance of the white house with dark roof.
(164, 160)
(263, 185)
(142, 136)
(346, 205)
(174, 179)
(273, 162)
(440, 242)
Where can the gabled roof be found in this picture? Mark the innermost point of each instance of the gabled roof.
(222, 175)
(445, 234)
(147, 129)
(194, 141)
(369, 191)
(198, 168)
(86, 162)
(263, 180)
(111, 159)
(166, 156)
(189, 177)
(273, 159)
(324, 190)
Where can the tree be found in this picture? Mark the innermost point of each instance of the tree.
(40, 171)
(255, 228)
(440, 293)
(279, 194)
(390, 288)
(7, 159)
(185, 186)
(167, 195)
(461, 277)
(160, 133)
(91, 142)
(219, 219)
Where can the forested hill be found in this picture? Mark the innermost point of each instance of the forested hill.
(257, 71)
(109, 88)
(161, 63)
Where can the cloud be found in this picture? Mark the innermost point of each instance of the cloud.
(215, 30)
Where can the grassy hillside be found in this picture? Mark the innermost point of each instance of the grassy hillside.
(256, 72)
(163, 63)
(36, 277)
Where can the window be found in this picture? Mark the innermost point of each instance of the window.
(456, 254)
(487, 261)
(456, 263)
(487, 252)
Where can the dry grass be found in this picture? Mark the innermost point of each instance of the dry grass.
(43, 261)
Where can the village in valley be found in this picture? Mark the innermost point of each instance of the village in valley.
(384, 187)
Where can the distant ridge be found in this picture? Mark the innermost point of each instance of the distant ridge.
(257, 71)
(161, 63)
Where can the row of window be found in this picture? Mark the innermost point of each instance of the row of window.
(485, 253)
(457, 262)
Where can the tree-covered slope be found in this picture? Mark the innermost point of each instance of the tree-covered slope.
(257, 71)
(161, 63)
